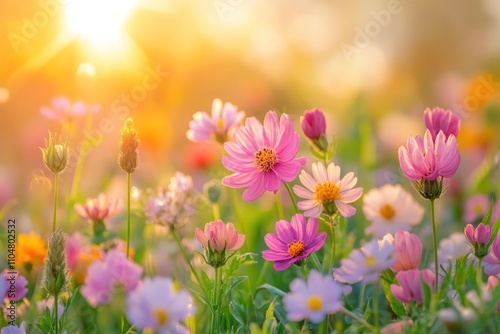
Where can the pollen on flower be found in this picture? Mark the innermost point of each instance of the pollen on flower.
(265, 159)
(315, 303)
(220, 124)
(161, 316)
(295, 248)
(326, 192)
(478, 209)
(370, 261)
(387, 211)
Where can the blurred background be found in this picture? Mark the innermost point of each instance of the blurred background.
(373, 67)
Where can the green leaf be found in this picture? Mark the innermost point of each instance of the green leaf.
(387, 278)
(238, 312)
(234, 282)
(270, 310)
(487, 217)
(207, 284)
(272, 289)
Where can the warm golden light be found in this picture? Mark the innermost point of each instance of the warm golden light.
(86, 68)
(4, 95)
(100, 22)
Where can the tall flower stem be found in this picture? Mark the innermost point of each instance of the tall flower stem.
(332, 232)
(375, 305)
(290, 192)
(56, 195)
(218, 295)
(480, 270)
(434, 237)
(216, 211)
(358, 319)
(128, 214)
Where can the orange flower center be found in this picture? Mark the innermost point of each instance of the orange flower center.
(161, 316)
(314, 303)
(326, 192)
(295, 248)
(265, 159)
(370, 261)
(387, 212)
(478, 209)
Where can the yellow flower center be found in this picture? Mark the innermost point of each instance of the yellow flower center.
(478, 209)
(295, 248)
(265, 159)
(161, 316)
(370, 261)
(387, 212)
(220, 124)
(314, 303)
(326, 192)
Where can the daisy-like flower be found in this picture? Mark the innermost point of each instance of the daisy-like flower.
(262, 156)
(325, 192)
(452, 248)
(293, 242)
(313, 299)
(156, 305)
(98, 209)
(62, 108)
(477, 206)
(366, 264)
(389, 209)
(221, 126)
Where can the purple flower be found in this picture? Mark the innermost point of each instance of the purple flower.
(439, 119)
(104, 276)
(313, 299)
(14, 292)
(428, 159)
(157, 305)
(9, 329)
(262, 156)
(221, 126)
(491, 262)
(313, 123)
(63, 109)
(293, 242)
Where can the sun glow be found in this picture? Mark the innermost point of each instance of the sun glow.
(98, 21)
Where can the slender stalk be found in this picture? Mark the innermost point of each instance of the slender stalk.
(56, 195)
(216, 211)
(304, 271)
(358, 319)
(218, 295)
(238, 215)
(434, 237)
(332, 232)
(480, 270)
(56, 314)
(290, 192)
(128, 215)
(316, 263)
(186, 257)
(279, 205)
(375, 305)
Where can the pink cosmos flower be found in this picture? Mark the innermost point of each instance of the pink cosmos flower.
(324, 191)
(429, 159)
(407, 251)
(410, 286)
(479, 235)
(221, 126)
(16, 292)
(293, 242)
(157, 305)
(62, 108)
(98, 209)
(477, 206)
(313, 123)
(262, 156)
(104, 276)
(439, 119)
(389, 209)
(313, 299)
(491, 262)
(220, 236)
(366, 264)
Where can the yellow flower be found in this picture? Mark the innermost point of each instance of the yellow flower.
(30, 250)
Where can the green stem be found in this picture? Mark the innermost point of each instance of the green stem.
(290, 192)
(316, 263)
(479, 270)
(279, 205)
(56, 195)
(56, 314)
(304, 271)
(218, 295)
(375, 305)
(332, 231)
(216, 211)
(434, 237)
(239, 219)
(186, 257)
(358, 319)
(128, 214)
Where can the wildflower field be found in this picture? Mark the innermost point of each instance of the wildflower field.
(163, 180)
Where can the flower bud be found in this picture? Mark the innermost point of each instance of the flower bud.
(56, 274)
(478, 239)
(128, 158)
(313, 124)
(55, 156)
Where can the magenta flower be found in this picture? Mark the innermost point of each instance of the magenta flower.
(220, 236)
(98, 209)
(104, 276)
(157, 305)
(313, 124)
(221, 126)
(62, 109)
(491, 262)
(262, 156)
(428, 159)
(439, 119)
(480, 235)
(293, 241)
(325, 192)
(13, 286)
(410, 286)
(407, 251)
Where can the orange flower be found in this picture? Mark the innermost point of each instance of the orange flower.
(30, 250)
(84, 260)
